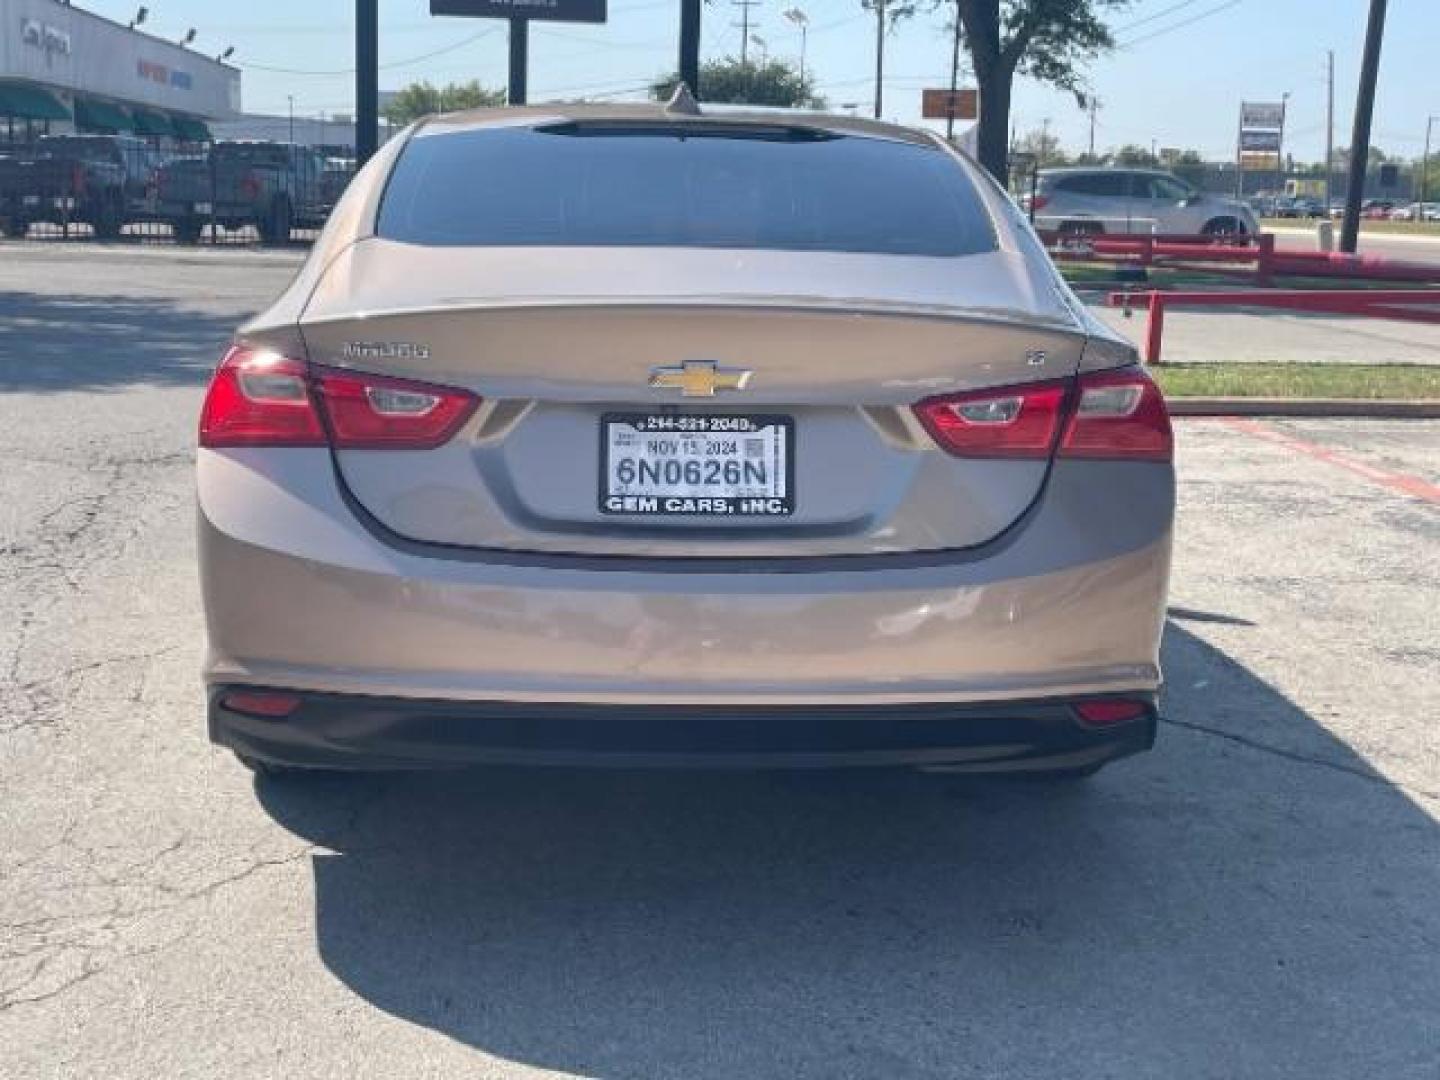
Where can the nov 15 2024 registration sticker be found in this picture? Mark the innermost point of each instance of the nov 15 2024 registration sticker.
(723, 466)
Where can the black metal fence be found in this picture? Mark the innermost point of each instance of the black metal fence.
(118, 188)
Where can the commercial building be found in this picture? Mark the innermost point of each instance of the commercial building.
(63, 68)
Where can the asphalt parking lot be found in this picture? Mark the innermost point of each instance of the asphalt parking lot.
(1258, 897)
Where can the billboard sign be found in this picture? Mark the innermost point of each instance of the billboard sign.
(1262, 116)
(72, 50)
(1260, 142)
(946, 104)
(582, 11)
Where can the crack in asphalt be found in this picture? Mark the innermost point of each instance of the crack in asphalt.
(1301, 758)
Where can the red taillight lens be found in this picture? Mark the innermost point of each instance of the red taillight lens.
(1111, 711)
(1119, 414)
(375, 412)
(250, 185)
(77, 180)
(1039, 202)
(259, 398)
(1014, 422)
(1109, 414)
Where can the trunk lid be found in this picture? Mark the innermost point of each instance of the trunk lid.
(556, 340)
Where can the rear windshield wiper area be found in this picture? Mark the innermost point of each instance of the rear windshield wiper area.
(686, 129)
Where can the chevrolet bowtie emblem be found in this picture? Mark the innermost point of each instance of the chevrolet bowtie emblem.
(699, 378)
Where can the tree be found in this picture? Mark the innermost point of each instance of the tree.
(728, 81)
(424, 99)
(1134, 156)
(1048, 40)
(1044, 147)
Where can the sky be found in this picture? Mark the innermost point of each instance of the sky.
(1182, 68)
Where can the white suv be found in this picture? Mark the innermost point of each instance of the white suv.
(1110, 200)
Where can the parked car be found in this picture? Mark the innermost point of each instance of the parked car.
(687, 443)
(95, 180)
(1416, 212)
(1377, 209)
(334, 179)
(274, 187)
(1123, 200)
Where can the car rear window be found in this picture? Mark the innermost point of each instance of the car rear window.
(742, 186)
(251, 155)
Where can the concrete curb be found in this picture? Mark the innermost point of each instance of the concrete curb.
(1320, 408)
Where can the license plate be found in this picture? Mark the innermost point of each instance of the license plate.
(204, 208)
(665, 464)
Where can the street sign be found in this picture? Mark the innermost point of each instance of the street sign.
(946, 104)
(1259, 162)
(1262, 116)
(583, 11)
(1260, 141)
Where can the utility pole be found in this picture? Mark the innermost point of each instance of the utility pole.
(744, 25)
(1329, 129)
(291, 99)
(367, 79)
(1364, 113)
(1094, 108)
(689, 65)
(519, 61)
(879, 56)
(954, 77)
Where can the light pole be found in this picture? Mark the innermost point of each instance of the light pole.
(291, 99)
(800, 19)
(1360, 137)
(1425, 166)
(879, 56)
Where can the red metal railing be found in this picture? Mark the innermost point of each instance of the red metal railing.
(1407, 304)
(1254, 257)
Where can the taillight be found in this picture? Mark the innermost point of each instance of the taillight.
(375, 412)
(1014, 422)
(250, 185)
(1039, 202)
(1107, 414)
(1119, 414)
(260, 398)
(77, 180)
(267, 704)
(1109, 711)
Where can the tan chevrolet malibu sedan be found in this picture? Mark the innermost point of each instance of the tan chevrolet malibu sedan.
(646, 435)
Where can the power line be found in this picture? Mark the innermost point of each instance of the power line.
(383, 67)
(1156, 15)
(1180, 25)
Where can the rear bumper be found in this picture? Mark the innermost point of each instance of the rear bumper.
(354, 732)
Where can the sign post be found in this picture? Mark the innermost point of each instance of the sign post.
(367, 79)
(1257, 145)
(519, 14)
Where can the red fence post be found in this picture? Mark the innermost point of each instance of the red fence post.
(1155, 328)
(1265, 260)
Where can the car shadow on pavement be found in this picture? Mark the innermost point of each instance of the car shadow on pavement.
(1250, 899)
(52, 342)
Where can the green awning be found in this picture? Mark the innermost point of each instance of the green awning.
(30, 102)
(151, 123)
(191, 130)
(94, 115)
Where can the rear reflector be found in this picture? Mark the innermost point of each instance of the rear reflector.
(1111, 711)
(270, 704)
(260, 398)
(1012, 422)
(1116, 414)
